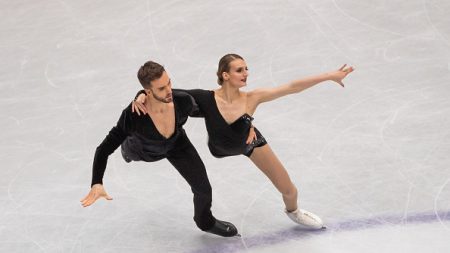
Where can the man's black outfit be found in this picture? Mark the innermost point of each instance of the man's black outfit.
(140, 141)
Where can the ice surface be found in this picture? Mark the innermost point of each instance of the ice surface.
(371, 159)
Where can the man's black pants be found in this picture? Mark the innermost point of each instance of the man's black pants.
(186, 160)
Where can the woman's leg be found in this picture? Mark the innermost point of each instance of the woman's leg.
(266, 160)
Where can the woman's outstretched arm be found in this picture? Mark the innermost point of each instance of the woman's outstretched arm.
(262, 95)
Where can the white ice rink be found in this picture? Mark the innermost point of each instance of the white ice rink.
(371, 159)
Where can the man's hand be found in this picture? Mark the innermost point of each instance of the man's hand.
(138, 105)
(340, 74)
(97, 191)
(251, 135)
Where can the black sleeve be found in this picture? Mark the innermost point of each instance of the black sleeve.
(111, 142)
(189, 104)
(139, 93)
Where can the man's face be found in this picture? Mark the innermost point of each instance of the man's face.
(161, 89)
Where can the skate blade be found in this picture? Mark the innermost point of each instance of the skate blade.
(305, 227)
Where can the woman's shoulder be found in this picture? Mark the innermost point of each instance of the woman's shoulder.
(254, 92)
(197, 94)
(192, 91)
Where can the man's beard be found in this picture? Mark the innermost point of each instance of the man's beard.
(161, 99)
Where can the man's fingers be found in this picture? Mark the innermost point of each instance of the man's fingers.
(251, 137)
(342, 68)
(87, 196)
(91, 200)
(88, 202)
(83, 199)
(254, 136)
(88, 199)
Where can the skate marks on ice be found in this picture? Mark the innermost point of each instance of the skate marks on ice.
(295, 233)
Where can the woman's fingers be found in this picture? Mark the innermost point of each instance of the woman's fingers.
(139, 107)
(141, 98)
(134, 108)
(142, 108)
(344, 72)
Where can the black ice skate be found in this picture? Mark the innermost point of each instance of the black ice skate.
(223, 228)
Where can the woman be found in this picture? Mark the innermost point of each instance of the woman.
(228, 114)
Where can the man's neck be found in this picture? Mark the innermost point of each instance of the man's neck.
(156, 106)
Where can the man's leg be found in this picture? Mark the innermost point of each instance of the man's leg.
(189, 164)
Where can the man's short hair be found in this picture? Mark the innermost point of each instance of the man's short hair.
(148, 72)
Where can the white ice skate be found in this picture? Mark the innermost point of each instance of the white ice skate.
(305, 219)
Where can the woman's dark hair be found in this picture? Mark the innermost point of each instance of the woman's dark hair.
(224, 65)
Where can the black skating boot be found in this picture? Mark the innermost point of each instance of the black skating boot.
(223, 228)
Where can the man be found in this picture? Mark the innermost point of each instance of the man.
(157, 136)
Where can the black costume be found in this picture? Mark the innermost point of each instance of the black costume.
(141, 141)
(225, 139)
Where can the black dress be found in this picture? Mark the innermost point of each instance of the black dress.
(225, 139)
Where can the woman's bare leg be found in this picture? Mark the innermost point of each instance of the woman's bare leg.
(266, 160)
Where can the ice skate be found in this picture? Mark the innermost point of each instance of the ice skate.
(223, 228)
(305, 219)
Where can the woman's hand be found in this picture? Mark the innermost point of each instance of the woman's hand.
(340, 74)
(138, 105)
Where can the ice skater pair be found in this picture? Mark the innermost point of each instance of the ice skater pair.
(228, 112)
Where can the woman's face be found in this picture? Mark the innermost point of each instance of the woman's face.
(237, 76)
